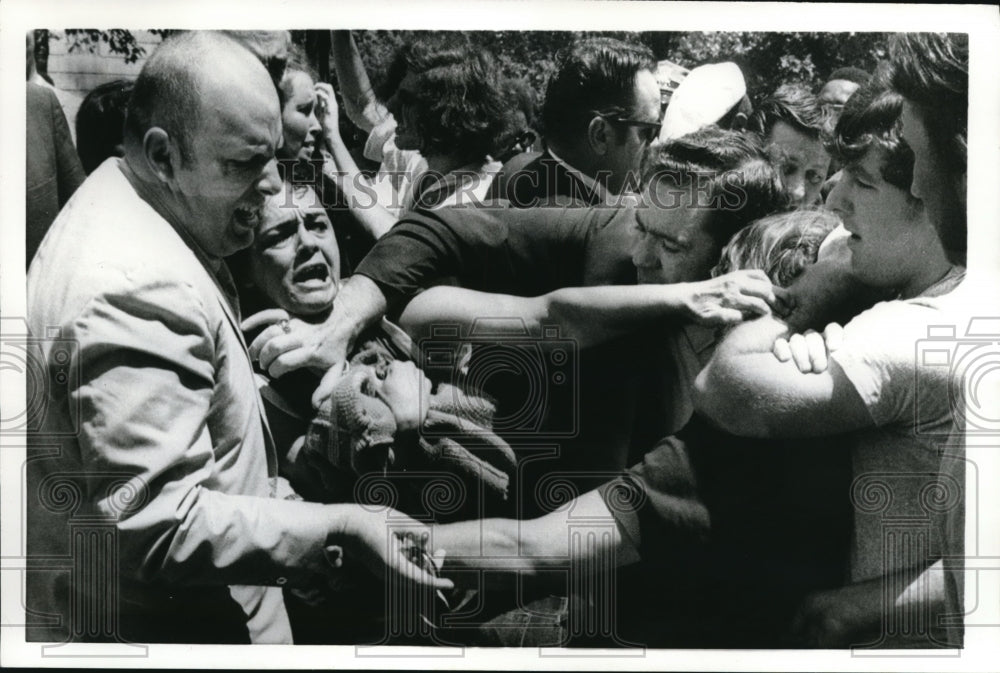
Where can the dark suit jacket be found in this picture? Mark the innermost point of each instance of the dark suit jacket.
(53, 167)
(543, 181)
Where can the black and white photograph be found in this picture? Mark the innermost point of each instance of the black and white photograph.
(551, 335)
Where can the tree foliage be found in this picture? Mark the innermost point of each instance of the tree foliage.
(119, 41)
(767, 59)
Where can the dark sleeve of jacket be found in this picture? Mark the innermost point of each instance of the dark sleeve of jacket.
(490, 249)
(53, 170)
(656, 503)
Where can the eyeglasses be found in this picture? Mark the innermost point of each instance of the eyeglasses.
(648, 131)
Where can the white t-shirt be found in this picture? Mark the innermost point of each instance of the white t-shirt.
(899, 506)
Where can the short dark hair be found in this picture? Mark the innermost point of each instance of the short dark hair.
(100, 122)
(790, 103)
(743, 182)
(931, 70)
(593, 75)
(871, 119)
(850, 74)
(459, 101)
(413, 55)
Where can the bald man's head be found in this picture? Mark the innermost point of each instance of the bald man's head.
(188, 74)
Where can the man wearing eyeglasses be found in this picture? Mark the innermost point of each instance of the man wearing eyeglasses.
(601, 111)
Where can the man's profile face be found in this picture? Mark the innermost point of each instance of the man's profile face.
(882, 220)
(802, 161)
(232, 169)
(629, 142)
(403, 106)
(671, 242)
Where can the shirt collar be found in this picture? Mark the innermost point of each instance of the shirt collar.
(597, 188)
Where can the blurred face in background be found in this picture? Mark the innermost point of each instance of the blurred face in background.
(299, 124)
(403, 106)
(802, 161)
(633, 135)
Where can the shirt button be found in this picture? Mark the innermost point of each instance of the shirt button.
(281, 581)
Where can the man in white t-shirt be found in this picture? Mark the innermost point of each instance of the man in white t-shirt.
(896, 411)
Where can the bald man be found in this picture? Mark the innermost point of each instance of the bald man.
(159, 491)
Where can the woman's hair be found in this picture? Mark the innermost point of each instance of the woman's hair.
(460, 104)
(296, 63)
(780, 245)
(871, 119)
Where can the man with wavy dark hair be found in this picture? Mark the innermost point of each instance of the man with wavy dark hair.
(601, 111)
(931, 71)
(789, 122)
(894, 410)
(449, 106)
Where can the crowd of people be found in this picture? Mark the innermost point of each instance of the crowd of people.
(599, 371)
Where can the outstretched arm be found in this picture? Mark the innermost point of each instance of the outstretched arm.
(593, 315)
(534, 545)
(360, 103)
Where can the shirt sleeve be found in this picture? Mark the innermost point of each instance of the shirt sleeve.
(148, 363)
(655, 503)
(510, 251)
(890, 367)
(381, 134)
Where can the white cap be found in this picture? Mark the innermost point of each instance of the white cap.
(703, 98)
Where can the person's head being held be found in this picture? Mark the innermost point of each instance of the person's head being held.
(271, 47)
(931, 72)
(100, 123)
(781, 245)
(790, 123)
(715, 93)
(300, 125)
(700, 190)
(892, 242)
(448, 103)
(201, 131)
(294, 262)
(838, 88)
(602, 110)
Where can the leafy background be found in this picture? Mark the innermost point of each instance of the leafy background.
(767, 59)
